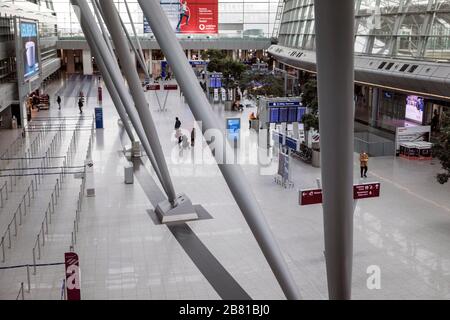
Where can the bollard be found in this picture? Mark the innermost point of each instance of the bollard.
(21, 288)
(72, 240)
(29, 199)
(43, 235)
(53, 203)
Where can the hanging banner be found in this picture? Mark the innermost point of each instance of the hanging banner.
(72, 276)
(190, 16)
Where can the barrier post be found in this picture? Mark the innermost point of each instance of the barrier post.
(28, 278)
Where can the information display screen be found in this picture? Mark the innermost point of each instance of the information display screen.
(300, 113)
(274, 115)
(233, 125)
(292, 115)
(28, 38)
(283, 115)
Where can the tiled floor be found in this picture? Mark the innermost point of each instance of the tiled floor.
(124, 255)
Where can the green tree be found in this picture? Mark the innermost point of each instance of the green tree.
(441, 149)
(309, 99)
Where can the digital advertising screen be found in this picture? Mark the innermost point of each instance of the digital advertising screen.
(28, 38)
(414, 109)
(190, 16)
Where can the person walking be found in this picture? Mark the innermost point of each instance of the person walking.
(364, 159)
(192, 137)
(250, 118)
(80, 105)
(177, 129)
(58, 100)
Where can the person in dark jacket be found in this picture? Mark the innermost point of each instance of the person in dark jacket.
(80, 105)
(58, 100)
(177, 129)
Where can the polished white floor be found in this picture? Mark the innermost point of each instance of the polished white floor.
(124, 255)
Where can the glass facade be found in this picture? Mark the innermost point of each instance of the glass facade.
(418, 29)
(237, 18)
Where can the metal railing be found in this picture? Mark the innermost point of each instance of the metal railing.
(13, 221)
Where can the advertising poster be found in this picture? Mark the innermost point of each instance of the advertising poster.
(190, 16)
(411, 134)
(414, 109)
(72, 276)
(283, 165)
(28, 37)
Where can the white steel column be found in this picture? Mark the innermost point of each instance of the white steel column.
(335, 74)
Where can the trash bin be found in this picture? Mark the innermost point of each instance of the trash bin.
(315, 159)
(128, 174)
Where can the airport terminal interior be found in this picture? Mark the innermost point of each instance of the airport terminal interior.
(224, 149)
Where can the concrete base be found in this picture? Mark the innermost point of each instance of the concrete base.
(182, 212)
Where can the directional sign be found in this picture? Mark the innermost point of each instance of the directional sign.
(310, 196)
(366, 190)
(170, 87)
(153, 87)
(360, 191)
(72, 276)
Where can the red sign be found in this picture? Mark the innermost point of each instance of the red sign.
(72, 276)
(310, 196)
(366, 190)
(153, 87)
(360, 191)
(198, 16)
(170, 87)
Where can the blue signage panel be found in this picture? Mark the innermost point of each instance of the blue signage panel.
(291, 143)
(300, 113)
(99, 118)
(283, 115)
(274, 115)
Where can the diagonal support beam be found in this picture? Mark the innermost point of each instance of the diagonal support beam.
(135, 35)
(233, 173)
(112, 21)
(110, 69)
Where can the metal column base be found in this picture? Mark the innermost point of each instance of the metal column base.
(136, 149)
(182, 212)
